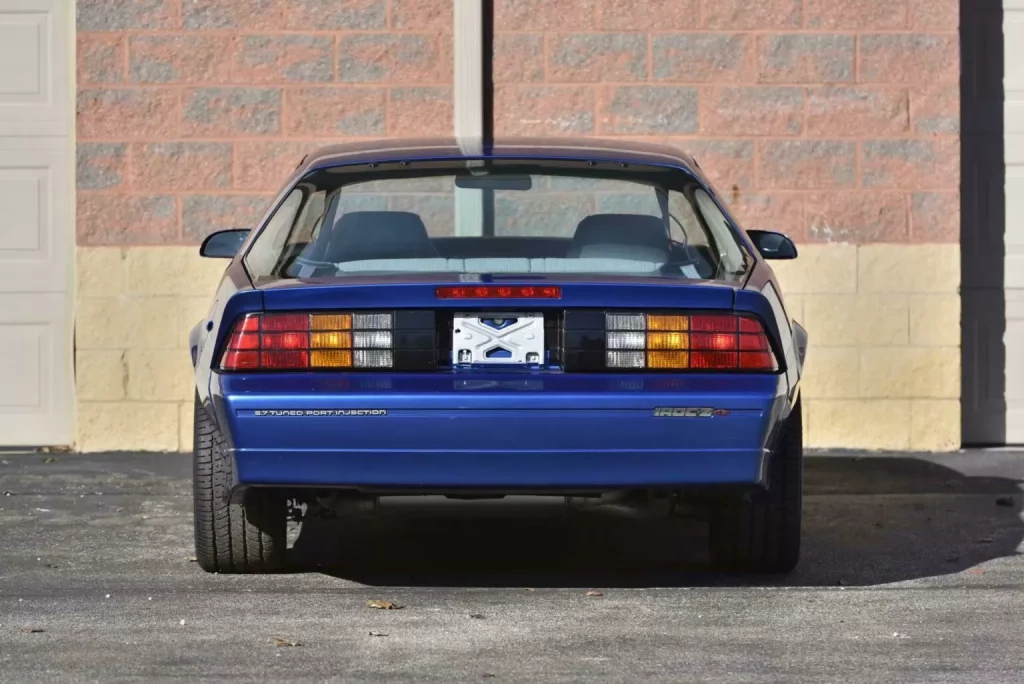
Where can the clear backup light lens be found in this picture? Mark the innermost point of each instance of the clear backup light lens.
(375, 321)
(625, 340)
(625, 322)
(624, 359)
(377, 339)
(373, 358)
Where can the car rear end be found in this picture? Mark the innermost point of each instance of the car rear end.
(668, 387)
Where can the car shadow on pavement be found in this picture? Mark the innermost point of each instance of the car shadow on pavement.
(867, 521)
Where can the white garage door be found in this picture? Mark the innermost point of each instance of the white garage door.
(36, 224)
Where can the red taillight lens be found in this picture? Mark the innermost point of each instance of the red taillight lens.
(682, 342)
(285, 341)
(499, 292)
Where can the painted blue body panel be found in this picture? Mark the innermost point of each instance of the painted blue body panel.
(512, 430)
(498, 429)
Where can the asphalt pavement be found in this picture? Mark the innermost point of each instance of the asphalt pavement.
(910, 573)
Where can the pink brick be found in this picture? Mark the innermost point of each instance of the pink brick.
(544, 15)
(335, 111)
(543, 110)
(101, 58)
(205, 214)
(127, 114)
(856, 14)
(264, 59)
(781, 212)
(101, 166)
(335, 15)
(593, 57)
(180, 58)
(858, 216)
(751, 14)
(935, 217)
(128, 15)
(812, 58)
(652, 15)
(726, 162)
(264, 165)
(752, 110)
(422, 15)
(857, 110)
(807, 164)
(935, 109)
(416, 112)
(914, 164)
(518, 58)
(647, 110)
(231, 112)
(934, 15)
(177, 166)
(909, 58)
(247, 15)
(116, 219)
(703, 57)
(395, 58)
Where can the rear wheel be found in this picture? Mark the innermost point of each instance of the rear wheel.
(760, 532)
(244, 537)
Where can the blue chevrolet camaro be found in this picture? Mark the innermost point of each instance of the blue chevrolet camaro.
(570, 318)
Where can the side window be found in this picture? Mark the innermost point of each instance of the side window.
(263, 255)
(729, 251)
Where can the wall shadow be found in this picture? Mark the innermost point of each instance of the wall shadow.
(867, 521)
(982, 223)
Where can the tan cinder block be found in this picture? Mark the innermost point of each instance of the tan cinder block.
(126, 322)
(859, 423)
(191, 310)
(160, 375)
(857, 320)
(935, 320)
(831, 373)
(100, 374)
(794, 307)
(171, 271)
(127, 426)
(185, 410)
(935, 425)
(100, 271)
(819, 268)
(910, 372)
(908, 268)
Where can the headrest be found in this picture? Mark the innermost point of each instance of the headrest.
(361, 235)
(625, 236)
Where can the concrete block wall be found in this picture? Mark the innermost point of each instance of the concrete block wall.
(835, 121)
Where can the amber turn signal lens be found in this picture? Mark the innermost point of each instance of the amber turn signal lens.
(331, 359)
(330, 322)
(668, 323)
(668, 359)
(330, 340)
(668, 340)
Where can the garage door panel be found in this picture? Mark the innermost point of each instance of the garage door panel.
(35, 66)
(35, 363)
(35, 254)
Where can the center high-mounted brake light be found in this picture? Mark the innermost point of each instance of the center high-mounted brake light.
(499, 292)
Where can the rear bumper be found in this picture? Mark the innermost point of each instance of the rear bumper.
(394, 433)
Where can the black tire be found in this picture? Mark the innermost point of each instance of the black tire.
(246, 537)
(760, 532)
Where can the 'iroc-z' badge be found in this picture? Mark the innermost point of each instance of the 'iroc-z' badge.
(686, 412)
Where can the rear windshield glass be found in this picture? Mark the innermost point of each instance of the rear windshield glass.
(497, 219)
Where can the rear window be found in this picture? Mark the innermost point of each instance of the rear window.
(497, 219)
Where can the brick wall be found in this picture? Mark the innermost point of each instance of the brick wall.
(835, 121)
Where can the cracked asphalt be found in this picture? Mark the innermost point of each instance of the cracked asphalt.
(910, 573)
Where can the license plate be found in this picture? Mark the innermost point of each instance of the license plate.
(498, 338)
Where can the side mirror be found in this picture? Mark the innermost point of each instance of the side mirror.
(224, 244)
(773, 245)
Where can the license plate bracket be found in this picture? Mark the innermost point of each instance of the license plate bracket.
(498, 338)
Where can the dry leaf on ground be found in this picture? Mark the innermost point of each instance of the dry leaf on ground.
(595, 592)
(382, 605)
(284, 642)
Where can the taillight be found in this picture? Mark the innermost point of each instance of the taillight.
(686, 342)
(330, 341)
(499, 292)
